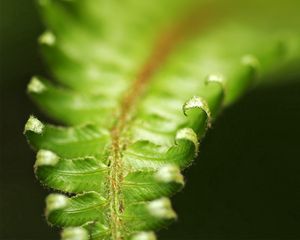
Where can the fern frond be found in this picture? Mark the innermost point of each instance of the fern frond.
(137, 84)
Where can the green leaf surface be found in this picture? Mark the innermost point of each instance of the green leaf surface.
(71, 175)
(136, 84)
(75, 211)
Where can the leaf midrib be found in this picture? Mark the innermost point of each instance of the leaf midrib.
(165, 44)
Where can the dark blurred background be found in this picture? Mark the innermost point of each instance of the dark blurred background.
(245, 185)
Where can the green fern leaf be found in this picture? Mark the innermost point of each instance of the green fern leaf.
(137, 84)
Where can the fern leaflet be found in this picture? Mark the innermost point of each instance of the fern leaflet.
(137, 84)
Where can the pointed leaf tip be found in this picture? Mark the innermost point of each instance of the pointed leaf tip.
(217, 78)
(55, 201)
(47, 38)
(34, 125)
(250, 60)
(36, 86)
(161, 208)
(74, 233)
(143, 236)
(197, 102)
(190, 135)
(169, 173)
(46, 157)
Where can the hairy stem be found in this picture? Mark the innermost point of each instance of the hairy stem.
(164, 45)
